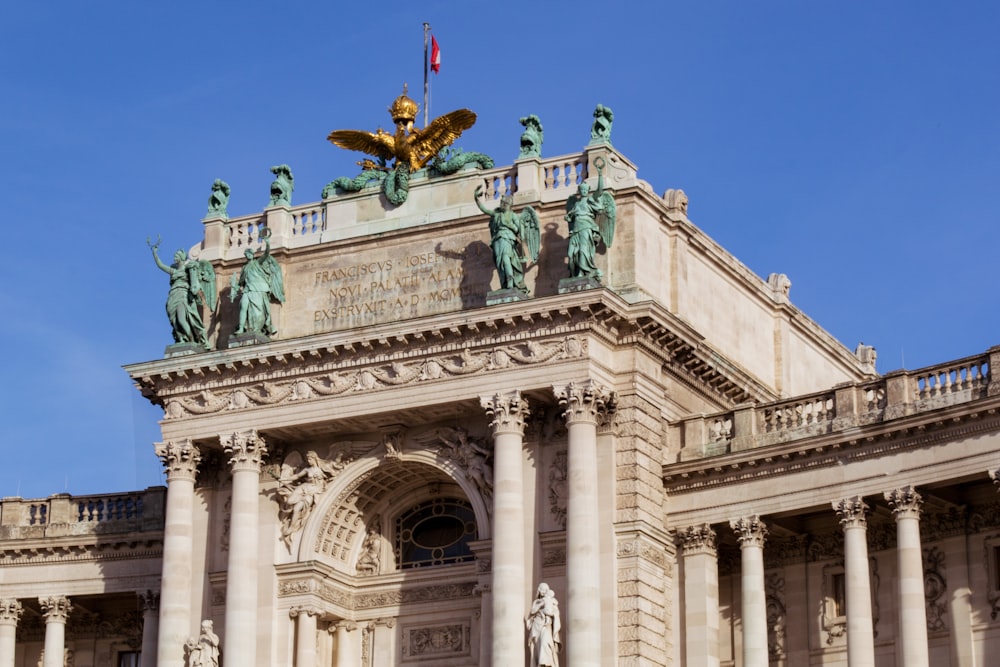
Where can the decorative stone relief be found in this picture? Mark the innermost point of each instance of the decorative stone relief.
(471, 454)
(227, 517)
(69, 658)
(392, 374)
(905, 502)
(55, 608)
(676, 201)
(586, 401)
(436, 642)
(180, 459)
(246, 449)
(203, 650)
(10, 611)
(750, 531)
(558, 491)
(851, 512)
(831, 614)
(371, 550)
(301, 483)
(150, 601)
(774, 601)
(698, 539)
(935, 588)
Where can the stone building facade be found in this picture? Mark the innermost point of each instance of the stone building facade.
(701, 473)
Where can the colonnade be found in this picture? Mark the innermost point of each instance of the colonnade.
(246, 451)
(584, 405)
(701, 588)
(56, 610)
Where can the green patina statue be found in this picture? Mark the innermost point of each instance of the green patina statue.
(531, 138)
(192, 283)
(591, 218)
(451, 160)
(600, 133)
(218, 201)
(281, 188)
(259, 282)
(508, 231)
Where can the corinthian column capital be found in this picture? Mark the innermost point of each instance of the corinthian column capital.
(507, 412)
(995, 476)
(586, 402)
(55, 608)
(10, 611)
(180, 459)
(697, 539)
(852, 512)
(750, 531)
(246, 450)
(905, 502)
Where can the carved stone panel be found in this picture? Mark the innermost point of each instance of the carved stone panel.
(425, 644)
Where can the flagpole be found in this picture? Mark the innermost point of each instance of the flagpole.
(427, 27)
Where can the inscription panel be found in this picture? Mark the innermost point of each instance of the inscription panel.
(346, 289)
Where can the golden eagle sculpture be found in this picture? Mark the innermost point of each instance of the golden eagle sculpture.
(409, 145)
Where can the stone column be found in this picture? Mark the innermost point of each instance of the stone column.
(507, 413)
(56, 610)
(345, 648)
(10, 614)
(584, 404)
(860, 632)
(305, 635)
(246, 451)
(150, 626)
(751, 532)
(180, 460)
(905, 503)
(701, 596)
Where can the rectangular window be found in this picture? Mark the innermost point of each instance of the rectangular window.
(129, 659)
(838, 594)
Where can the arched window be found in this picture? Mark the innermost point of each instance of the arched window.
(435, 532)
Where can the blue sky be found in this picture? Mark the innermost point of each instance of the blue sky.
(854, 146)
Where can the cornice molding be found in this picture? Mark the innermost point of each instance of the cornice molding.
(833, 449)
(548, 330)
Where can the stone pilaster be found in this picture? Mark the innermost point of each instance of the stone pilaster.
(246, 451)
(10, 614)
(305, 635)
(751, 533)
(347, 648)
(56, 610)
(645, 554)
(905, 503)
(701, 595)
(507, 414)
(860, 631)
(150, 602)
(584, 405)
(180, 461)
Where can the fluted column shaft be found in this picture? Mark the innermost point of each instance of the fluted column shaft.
(905, 503)
(584, 405)
(56, 610)
(150, 626)
(180, 461)
(10, 614)
(751, 533)
(507, 413)
(860, 632)
(305, 635)
(246, 451)
(701, 596)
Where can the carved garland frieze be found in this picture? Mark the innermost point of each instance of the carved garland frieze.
(372, 378)
(437, 641)
(364, 601)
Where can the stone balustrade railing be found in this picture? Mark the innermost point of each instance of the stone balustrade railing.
(337, 217)
(63, 514)
(897, 394)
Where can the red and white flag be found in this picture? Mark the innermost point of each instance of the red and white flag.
(435, 56)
